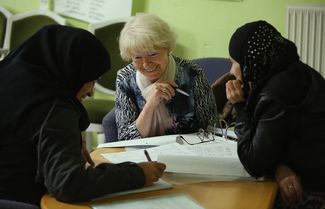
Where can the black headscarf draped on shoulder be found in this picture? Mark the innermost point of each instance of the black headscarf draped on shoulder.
(261, 52)
(55, 62)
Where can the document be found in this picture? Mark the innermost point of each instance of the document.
(159, 185)
(149, 141)
(93, 10)
(217, 158)
(175, 201)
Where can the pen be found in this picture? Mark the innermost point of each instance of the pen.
(147, 155)
(182, 92)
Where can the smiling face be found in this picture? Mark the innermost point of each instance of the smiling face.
(153, 64)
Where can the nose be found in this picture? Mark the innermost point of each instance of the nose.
(146, 63)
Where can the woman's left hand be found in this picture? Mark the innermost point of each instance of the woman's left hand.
(289, 185)
(85, 154)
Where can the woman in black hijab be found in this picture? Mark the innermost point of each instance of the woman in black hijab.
(281, 114)
(42, 83)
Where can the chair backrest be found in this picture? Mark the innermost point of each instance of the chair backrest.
(108, 32)
(98, 108)
(4, 17)
(21, 26)
(110, 127)
(213, 67)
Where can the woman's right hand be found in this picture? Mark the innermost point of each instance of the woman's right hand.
(162, 91)
(152, 171)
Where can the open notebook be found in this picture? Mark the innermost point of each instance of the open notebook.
(217, 158)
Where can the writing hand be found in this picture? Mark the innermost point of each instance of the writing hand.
(153, 171)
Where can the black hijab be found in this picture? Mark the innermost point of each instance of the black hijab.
(55, 62)
(261, 52)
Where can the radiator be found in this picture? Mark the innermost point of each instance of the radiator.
(305, 26)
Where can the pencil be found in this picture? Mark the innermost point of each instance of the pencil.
(182, 92)
(147, 155)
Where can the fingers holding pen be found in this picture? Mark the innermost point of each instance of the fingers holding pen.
(152, 171)
(166, 89)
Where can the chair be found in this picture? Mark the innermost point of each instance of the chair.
(96, 109)
(4, 16)
(217, 70)
(21, 26)
(213, 67)
(108, 32)
(111, 128)
(10, 204)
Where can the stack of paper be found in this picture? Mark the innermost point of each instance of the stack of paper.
(175, 201)
(217, 158)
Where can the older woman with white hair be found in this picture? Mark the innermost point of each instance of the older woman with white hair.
(158, 93)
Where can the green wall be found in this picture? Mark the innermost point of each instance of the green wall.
(203, 27)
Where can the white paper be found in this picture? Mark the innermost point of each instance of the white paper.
(43, 5)
(217, 158)
(149, 141)
(93, 10)
(138, 156)
(159, 185)
(177, 201)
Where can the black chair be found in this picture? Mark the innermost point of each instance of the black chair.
(10, 204)
(217, 70)
(213, 67)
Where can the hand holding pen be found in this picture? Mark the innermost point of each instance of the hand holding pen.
(163, 91)
(147, 155)
(171, 88)
(152, 170)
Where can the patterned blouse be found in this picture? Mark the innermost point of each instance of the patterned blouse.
(188, 113)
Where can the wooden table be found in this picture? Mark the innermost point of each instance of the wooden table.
(214, 195)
